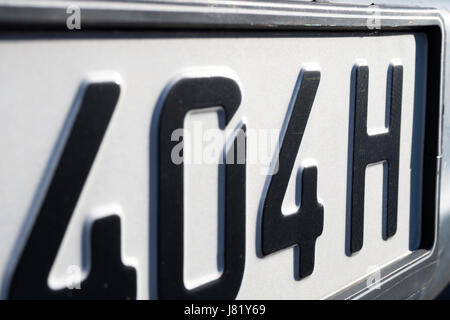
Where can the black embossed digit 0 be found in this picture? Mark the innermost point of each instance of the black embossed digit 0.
(108, 278)
(186, 95)
(303, 227)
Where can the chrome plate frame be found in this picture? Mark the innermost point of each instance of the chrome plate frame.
(403, 279)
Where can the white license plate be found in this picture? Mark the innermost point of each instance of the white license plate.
(99, 200)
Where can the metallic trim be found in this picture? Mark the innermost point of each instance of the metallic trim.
(241, 14)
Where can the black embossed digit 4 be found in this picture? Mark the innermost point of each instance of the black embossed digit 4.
(303, 227)
(108, 278)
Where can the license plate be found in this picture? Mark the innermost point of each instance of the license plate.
(284, 165)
